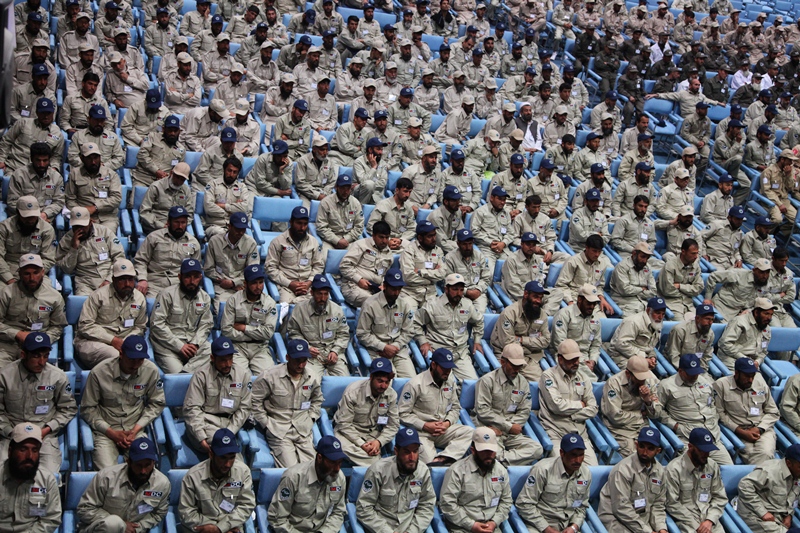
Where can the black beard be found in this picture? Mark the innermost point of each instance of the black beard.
(20, 472)
(177, 234)
(26, 230)
(532, 312)
(285, 94)
(187, 292)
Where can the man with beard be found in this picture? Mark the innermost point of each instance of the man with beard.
(322, 110)
(589, 267)
(271, 175)
(340, 220)
(292, 127)
(158, 37)
(397, 213)
(212, 175)
(409, 146)
(493, 221)
(350, 84)
(321, 323)
(75, 109)
(244, 29)
(159, 154)
(111, 152)
(22, 476)
(227, 255)
(22, 67)
(566, 400)
(121, 396)
(294, 258)
(687, 99)
(456, 125)
(632, 283)
(628, 402)
(349, 142)
(249, 320)
(371, 170)
(181, 321)
(781, 287)
(464, 179)
(130, 54)
(776, 185)
(16, 143)
(636, 187)
(183, 88)
(447, 219)
(428, 96)
(381, 310)
(767, 494)
(159, 258)
(387, 499)
(24, 97)
(125, 84)
(399, 113)
(759, 242)
(588, 220)
(111, 314)
(686, 162)
(70, 41)
(599, 181)
(365, 264)
(315, 174)
(311, 495)
(425, 178)
(718, 203)
(443, 321)
(546, 499)
(217, 493)
(746, 407)
(609, 141)
(163, 195)
(723, 240)
(202, 125)
(692, 335)
(87, 252)
(262, 71)
(564, 157)
(217, 63)
(28, 307)
(680, 280)
(306, 73)
(675, 196)
(639, 334)
(526, 263)
(131, 495)
(483, 154)
(470, 263)
(633, 498)
(643, 153)
(25, 233)
(580, 322)
(747, 334)
(463, 507)
(145, 118)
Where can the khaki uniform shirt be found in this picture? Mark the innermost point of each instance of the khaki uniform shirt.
(515, 187)
(303, 502)
(541, 226)
(422, 401)
(501, 402)
(289, 261)
(216, 67)
(322, 112)
(225, 260)
(781, 282)
(15, 145)
(130, 91)
(627, 168)
(262, 75)
(279, 403)
(632, 288)
(24, 98)
(635, 334)
(789, 402)
(29, 505)
(159, 41)
(313, 178)
(742, 338)
(427, 185)
(102, 190)
(672, 199)
(634, 496)
(469, 496)
(492, 225)
(560, 398)
(206, 500)
(513, 326)
(104, 316)
(160, 198)
(552, 192)
(475, 269)
(259, 319)
(235, 196)
(570, 323)
(738, 291)
(751, 407)
(518, 270)
(753, 247)
(75, 110)
(160, 256)
(215, 399)
(340, 219)
(111, 152)
(48, 190)
(266, 178)
(138, 124)
(585, 223)
(364, 260)
(14, 245)
(723, 243)
(447, 224)
(694, 494)
(430, 266)
(625, 410)
(468, 184)
(688, 276)
(326, 331)
(685, 338)
(627, 191)
(380, 324)
(40, 311)
(177, 319)
(443, 325)
(92, 262)
(577, 271)
(689, 405)
(360, 417)
(211, 168)
(401, 220)
(198, 131)
(551, 497)
(69, 44)
(182, 94)
(770, 488)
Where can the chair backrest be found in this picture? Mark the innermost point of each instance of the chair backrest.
(597, 389)
(274, 209)
(784, 339)
(356, 480)
(193, 159)
(517, 476)
(368, 209)
(267, 483)
(247, 165)
(398, 384)
(608, 326)
(732, 475)
(175, 387)
(313, 211)
(552, 274)
(77, 485)
(333, 260)
(657, 106)
(138, 196)
(437, 477)
(599, 479)
(436, 121)
(391, 181)
(175, 477)
(535, 396)
(131, 155)
(489, 321)
(333, 387)
(73, 308)
(467, 397)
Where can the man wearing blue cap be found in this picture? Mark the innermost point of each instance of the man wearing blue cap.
(181, 321)
(226, 196)
(746, 407)
(249, 320)
(388, 499)
(777, 184)
(371, 170)
(130, 494)
(634, 497)
(271, 175)
(111, 152)
(410, 144)
(588, 220)
(311, 496)
(767, 494)
(322, 110)
(144, 118)
(321, 323)
(546, 503)
(350, 141)
(256, 56)
(28, 377)
(205, 32)
(728, 153)
(759, 152)
(211, 170)
(385, 324)
(467, 181)
(494, 226)
(422, 263)
(637, 185)
(512, 179)
(159, 153)
(161, 35)
(16, 143)
(589, 267)
(723, 240)
(121, 397)
(24, 96)
(447, 218)
(473, 265)
(586, 159)
(366, 418)
(686, 98)
(633, 283)
(340, 220)
(552, 192)
(718, 202)
(158, 260)
(217, 493)
(364, 265)
(692, 335)
(227, 256)
(315, 174)
(218, 62)
(639, 333)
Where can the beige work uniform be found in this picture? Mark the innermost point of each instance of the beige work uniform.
(48, 190)
(327, 331)
(738, 291)
(685, 338)
(381, 324)
(225, 260)
(570, 323)
(111, 152)
(111, 400)
(182, 94)
(91, 263)
(624, 412)
(29, 505)
(630, 287)
(140, 122)
(722, 244)
(111, 500)
(304, 503)
(427, 185)
(468, 184)
(44, 399)
(105, 316)
(226, 503)
(102, 190)
(742, 338)
(361, 418)
(789, 404)
(577, 271)
(160, 197)
(551, 497)
(518, 270)
(561, 399)
(637, 333)
(259, 318)
(695, 493)
(266, 178)
(552, 192)
(422, 269)
(363, 260)
(715, 207)
(447, 224)
(501, 402)
(770, 488)
(289, 261)
(179, 319)
(679, 299)
(198, 131)
(313, 178)
(297, 134)
(337, 219)
(158, 260)
(287, 409)
(633, 499)
(371, 181)
(15, 146)
(476, 271)
(754, 247)
(493, 225)
(469, 496)
(782, 283)
(211, 169)
(514, 327)
(401, 220)
(629, 231)
(39, 311)
(13, 245)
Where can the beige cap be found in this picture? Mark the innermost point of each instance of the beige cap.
(267, 44)
(237, 67)
(491, 84)
(183, 57)
(414, 122)
(123, 267)
(764, 303)
(181, 39)
(454, 279)
(589, 292)
(514, 354)
(114, 57)
(762, 264)
(417, 29)
(493, 136)
(606, 116)
(28, 206)
(182, 169)
(682, 174)
(569, 349)
(358, 61)
(511, 107)
(390, 65)
(223, 36)
(639, 367)
(458, 74)
(517, 134)
(430, 72)
(119, 30)
(320, 141)
(788, 154)
(288, 77)
(686, 210)
(406, 42)
(369, 82)
(218, 106)
(79, 216)
(41, 43)
(643, 247)
(643, 9)
(428, 150)
(690, 150)
(314, 50)
(561, 110)
(484, 439)
(89, 149)
(322, 76)
(30, 259)
(468, 100)
(242, 106)
(83, 15)
(25, 431)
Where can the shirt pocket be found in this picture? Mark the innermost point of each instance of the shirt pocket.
(554, 495)
(380, 325)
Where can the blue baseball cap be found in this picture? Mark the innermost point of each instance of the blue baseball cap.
(725, 178)
(702, 439)
(529, 237)
(535, 287)
(704, 310)
(330, 32)
(746, 365)
(311, 15)
(279, 147)
(388, 27)
(406, 437)
(499, 191)
(656, 303)
(530, 32)
(253, 272)
(531, 71)
(36, 341)
(736, 108)
(793, 453)
(593, 135)
(177, 211)
(362, 113)
(500, 27)
(643, 137)
(394, 278)
(477, 52)
(592, 194)
(159, 11)
(458, 154)
(425, 227)
(611, 95)
(643, 165)
(344, 180)
(547, 164)
(690, 364)
(299, 212)
(191, 265)
(517, 45)
(228, 135)
(375, 141)
(650, 436)
(239, 220)
(451, 193)
(297, 349)
(45, 105)
(764, 129)
(305, 39)
(471, 29)
(444, 358)
(224, 442)
(320, 282)
(153, 98)
(736, 211)
(142, 448)
(301, 104)
(34, 17)
(97, 112)
(597, 168)
(222, 346)
(172, 122)
(330, 448)
(765, 93)
(464, 235)
(217, 19)
(40, 69)
(735, 124)
(572, 441)
(381, 364)
(134, 347)
(406, 91)
(444, 47)
(701, 105)
(763, 221)
(517, 159)
(547, 66)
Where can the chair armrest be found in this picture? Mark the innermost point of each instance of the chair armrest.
(494, 300)
(465, 419)
(325, 425)
(598, 439)
(86, 436)
(363, 354)
(613, 304)
(501, 293)
(352, 357)
(261, 517)
(420, 361)
(171, 430)
(541, 434)
(68, 522)
(731, 436)
(280, 348)
(199, 231)
(72, 435)
(125, 222)
(483, 364)
(669, 435)
(160, 432)
(489, 354)
(355, 526)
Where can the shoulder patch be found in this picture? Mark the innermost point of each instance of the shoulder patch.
(531, 481)
(68, 388)
(367, 486)
(407, 395)
(548, 383)
(285, 494)
(612, 394)
(160, 384)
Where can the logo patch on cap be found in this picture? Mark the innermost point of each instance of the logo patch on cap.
(649, 433)
(409, 432)
(226, 440)
(226, 345)
(139, 347)
(38, 338)
(573, 440)
(486, 436)
(708, 438)
(337, 445)
(143, 445)
(28, 428)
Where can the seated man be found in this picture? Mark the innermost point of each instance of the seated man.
(494, 230)
(366, 418)
(473, 265)
(632, 283)
(503, 404)
(120, 398)
(745, 406)
(398, 213)
(160, 152)
(29, 307)
(322, 324)
(639, 334)
(723, 239)
(747, 335)
(286, 403)
(224, 197)
(159, 258)
(166, 193)
(587, 267)
(50, 409)
(181, 321)
(219, 491)
(581, 322)
(422, 264)
(109, 316)
(385, 324)
(40, 180)
(218, 396)
(227, 256)
(767, 494)
(692, 335)
(739, 288)
(340, 220)
(88, 252)
(365, 266)
(311, 495)
(106, 504)
(718, 203)
(96, 187)
(629, 400)
(680, 279)
(25, 233)
(588, 220)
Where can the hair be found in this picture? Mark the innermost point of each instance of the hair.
(780, 253)
(641, 198)
(404, 183)
(91, 76)
(41, 149)
(232, 161)
(688, 243)
(568, 138)
(352, 18)
(563, 86)
(254, 9)
(544, 86)
(595, 242)
(381, 227)
(533, 199)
